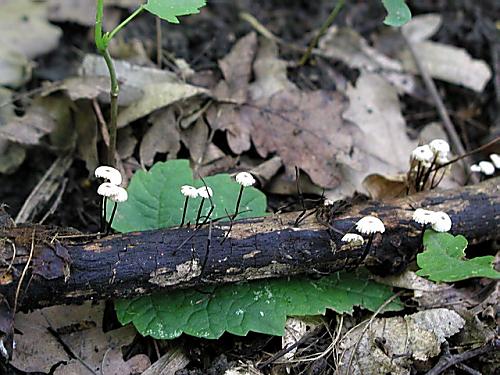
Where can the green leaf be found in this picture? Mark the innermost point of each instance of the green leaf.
(398, 12)
(444, 259)
(169, 10)
(258, 306)
(155, 200)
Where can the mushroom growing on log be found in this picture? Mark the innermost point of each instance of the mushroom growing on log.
(67, 269)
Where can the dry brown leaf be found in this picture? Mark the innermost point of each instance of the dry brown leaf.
(86, 129)
(382, 145)
(82, 11)
(81, 330)
(442, 61)
(25, 34)
(126, 142)
(113, 363)
(306, 130)
(195, 138)
(419, 335)
(29, 128)
(237, 69)
(351, 48)
(385, 187)
(448, 63)
(162, 137)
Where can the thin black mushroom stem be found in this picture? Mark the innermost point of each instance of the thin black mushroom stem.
(113, 177)
(116, 194)
(244, 179)
(188, 192)
(369, 225)
(205, 192)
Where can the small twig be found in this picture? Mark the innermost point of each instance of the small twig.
(467, 369)
(23, 274)
(289, 348)
(56, 203)
(447, 361)
(443, 113)
(101, 121)
(261, 29)
(328, 22)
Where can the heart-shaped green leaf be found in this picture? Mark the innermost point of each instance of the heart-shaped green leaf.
(444, 259)
(258, 306)
(155, 200)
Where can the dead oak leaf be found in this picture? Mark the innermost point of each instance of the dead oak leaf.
(305, 129)
(236, 68)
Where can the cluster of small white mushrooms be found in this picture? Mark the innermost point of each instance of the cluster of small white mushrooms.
(485, 167)
(426, 161)
(438, 220)
(188, 191)
(110, 189)
(370, 225)
(244, 179)
(367, 225)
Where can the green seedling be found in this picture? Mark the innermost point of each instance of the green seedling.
(168, 10)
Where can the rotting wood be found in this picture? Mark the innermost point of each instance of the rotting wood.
(127, 265)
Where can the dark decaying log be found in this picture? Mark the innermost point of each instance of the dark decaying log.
(65, 271)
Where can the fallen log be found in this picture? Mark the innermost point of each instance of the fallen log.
(68, 268)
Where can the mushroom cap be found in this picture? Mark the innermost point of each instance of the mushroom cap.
(205, 192)
(495, 159)
(370, 225)
(487, 168)
(113, 192)
(440, 147)
(443, 222)
(353, 238)
(424, 217)
(475, 168)
(189, 191)
(111, 174)
(423, 154)
(120, 196)
(245, 179)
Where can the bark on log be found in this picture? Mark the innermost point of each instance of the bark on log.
(65, 271)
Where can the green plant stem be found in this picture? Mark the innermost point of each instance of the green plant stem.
(329, 21)
(115, 90)
(99, 41)
(124, 23)
(102, 42)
